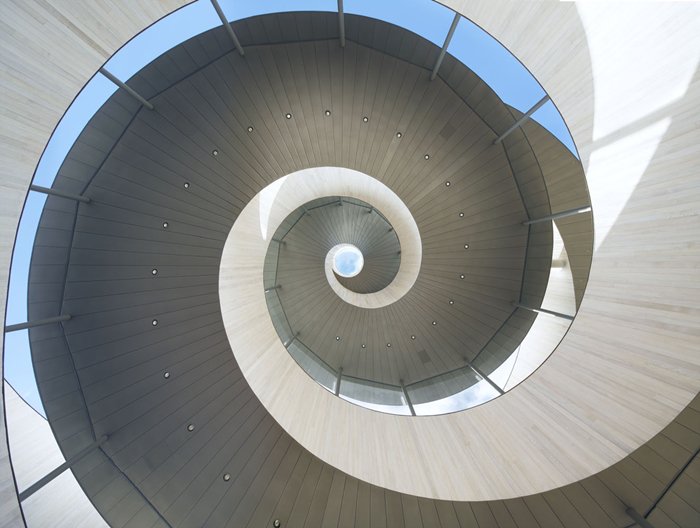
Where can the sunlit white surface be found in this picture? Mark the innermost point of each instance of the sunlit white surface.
(613, 177)
(267, 198)
(634, 51)
(559, 295)
(628, 119)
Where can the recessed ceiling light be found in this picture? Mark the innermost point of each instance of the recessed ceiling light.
(215, 152)
(337, 338)
(154, 322)
(186, 185)
(413, 337)
(154, 271)
(398, 135)
(451, 301)
(389, 345)
(227, 477)
(288, 115)
(166, 374)
(466, 246)
(365, 119)
(165, 225)
(276, 524)
(427, 156)
(461, 215)
(461, 276)
(434, 323)
(327, 112)
(447, 184)
(250, 129)
(190, 427)
(364, 346)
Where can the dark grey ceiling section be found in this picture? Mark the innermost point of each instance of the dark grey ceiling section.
(103, 372)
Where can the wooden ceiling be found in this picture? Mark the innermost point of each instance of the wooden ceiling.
(105, 372)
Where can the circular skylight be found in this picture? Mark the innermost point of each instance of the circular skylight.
(348, 261)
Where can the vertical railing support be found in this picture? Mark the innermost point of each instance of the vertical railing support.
(341, 23)
(229, 29)
(448, 38)
(126, 88)
(522, 120)
(31, 490)
(408, 399)
(37, 322)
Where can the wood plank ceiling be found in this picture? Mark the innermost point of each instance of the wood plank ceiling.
(103, 371)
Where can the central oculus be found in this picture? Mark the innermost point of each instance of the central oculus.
(347, 260)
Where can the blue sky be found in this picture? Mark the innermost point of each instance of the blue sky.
(471, 45)
(348, 261)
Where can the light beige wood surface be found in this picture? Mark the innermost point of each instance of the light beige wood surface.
(629, 364)
(34, 454)
(631, 357)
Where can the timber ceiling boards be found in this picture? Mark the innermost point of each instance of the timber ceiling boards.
(103, 370)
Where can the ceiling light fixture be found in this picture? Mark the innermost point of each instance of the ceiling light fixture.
(398, 135)
(165, 225)
(434, 323)
(288, 115)
(427, 156)
(413, 337)
(388, 345)
(154, 322)
(250, 129)
(215, 152)
(190, 427)
(337, 338)
(166, 374)
(364, 346)
(227, 477)
(466, 246)
(461, 276)
(327, 112)
(461, 215)
(447, 184)
(365, 119)
(154, 271)
(186, 185)
(451, 302)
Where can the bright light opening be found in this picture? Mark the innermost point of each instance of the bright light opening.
(348, 260)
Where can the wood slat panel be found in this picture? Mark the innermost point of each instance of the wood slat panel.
(552, 73)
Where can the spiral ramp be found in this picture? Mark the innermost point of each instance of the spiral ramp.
(608, 425)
